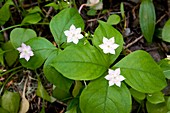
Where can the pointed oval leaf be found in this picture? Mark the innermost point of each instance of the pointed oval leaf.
(113, 19)
(11, 53)
(156, 98)
(10, 101)
(165, 31)
(165, 66)
(62, 21)
(106, 30)
(137, 95)
(41, 92)
(32, 18)
(141, 72)
(147, 19)
(42, 48)
(62, 84)
(156, 108)
(24, 35)
(5, 12)
(98, 97)
(80, 62)
(3, 110)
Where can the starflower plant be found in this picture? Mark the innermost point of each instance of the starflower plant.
(25, 51)
(114, 77)
(109, 45)
(73, 34)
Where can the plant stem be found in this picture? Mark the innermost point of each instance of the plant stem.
(19, 25)
(8, 80)
(10, 71)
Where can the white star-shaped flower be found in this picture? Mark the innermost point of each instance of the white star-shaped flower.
(73, 34)
(108, 45)
(25, 51)
(114, 77)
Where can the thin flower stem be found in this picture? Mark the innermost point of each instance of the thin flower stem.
(1, 90)
(19, 25)
(16, 68)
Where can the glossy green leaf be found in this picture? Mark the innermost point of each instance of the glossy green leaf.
(5, 12)
(10, 101)
(147, 19)
(41, 48)
(106, 30)
(62, 84)
(81, 62)
(98, 97)
(11, 54)
(156, 98)
(32, 18)
(156, 108)
(137, 95)
(24, 35)
(41, 92)
(113, 19)
(165, 31)
(165, 66)
(141, 72)
(62, 21)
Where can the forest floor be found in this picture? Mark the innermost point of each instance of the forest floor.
(133, 39)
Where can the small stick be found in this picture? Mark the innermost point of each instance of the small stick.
(133, 42)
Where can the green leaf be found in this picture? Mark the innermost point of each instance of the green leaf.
(77, 88)
(141, 72)
(1, 56)
(3, 110)
(5, 12)
(73, 106)
(36, 9)
(98, 97)
(106, 30)
(41, 48)
(168, 103)
(113, 19)
(32, 18)
(91, 12)
(156, 108)
(62, 84)
(41, 92)
(137, 95)
(53, 4)
(165, 31)
(147, 19)
(73, 110)
(10, 101)
(122, 10)
(85, 63)
(165, 66)
(156, 98)
(11, 54)
(62, 21)
(24, 35)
